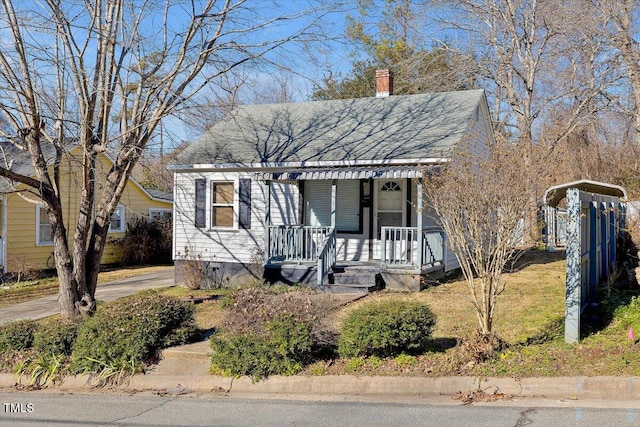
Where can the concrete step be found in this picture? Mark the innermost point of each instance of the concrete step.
(346, 289)
(189, 359)
(354, 276)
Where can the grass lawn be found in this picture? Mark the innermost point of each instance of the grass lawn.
(529, 317)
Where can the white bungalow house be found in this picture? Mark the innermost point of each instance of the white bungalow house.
(323, 192)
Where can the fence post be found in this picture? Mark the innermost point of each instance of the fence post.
(574, 260)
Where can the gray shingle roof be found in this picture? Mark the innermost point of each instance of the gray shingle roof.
(373, 129)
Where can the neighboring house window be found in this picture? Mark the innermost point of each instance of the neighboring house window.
(160, 214)
(117, 221)
(44, 235)
(222, 204)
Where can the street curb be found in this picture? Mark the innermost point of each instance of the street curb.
(604, 388)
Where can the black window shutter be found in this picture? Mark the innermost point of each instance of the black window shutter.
(201, 203)
(244, 218)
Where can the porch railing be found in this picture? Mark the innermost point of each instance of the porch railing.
(326, 257)
(296, 243)
(400, 248)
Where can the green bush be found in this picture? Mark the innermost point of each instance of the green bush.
(17, 336)
(56, 337)
(281, 349)
(386, 328)
(130, 332)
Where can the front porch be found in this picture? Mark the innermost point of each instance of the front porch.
(370, 220)
(307, 254)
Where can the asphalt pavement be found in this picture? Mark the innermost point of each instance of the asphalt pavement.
(109, 291)
(50, 408)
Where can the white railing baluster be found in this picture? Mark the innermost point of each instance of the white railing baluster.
(399, 246)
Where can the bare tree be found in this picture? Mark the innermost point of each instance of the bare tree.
(480, 199)
(533, 63)
(615, 23)
(101, 75)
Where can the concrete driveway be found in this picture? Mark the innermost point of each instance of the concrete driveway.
(109, 291)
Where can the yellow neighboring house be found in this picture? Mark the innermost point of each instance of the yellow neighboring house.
(26, 233)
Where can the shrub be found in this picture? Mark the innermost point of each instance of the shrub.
(16, 336)
(191, 269)
(147, 242)
(56, 337)
(252, 308)
(282, 349)
(130, 332)
(386, 328)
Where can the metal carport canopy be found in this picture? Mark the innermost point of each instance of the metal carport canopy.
(555, 194)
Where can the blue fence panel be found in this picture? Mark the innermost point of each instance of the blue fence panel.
(594, 222)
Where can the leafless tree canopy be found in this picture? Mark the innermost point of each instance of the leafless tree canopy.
(98, 77)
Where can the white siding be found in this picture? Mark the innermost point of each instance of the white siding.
(348, 205)
(354, 247)
(236, 245)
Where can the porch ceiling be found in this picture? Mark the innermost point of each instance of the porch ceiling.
(360, 172)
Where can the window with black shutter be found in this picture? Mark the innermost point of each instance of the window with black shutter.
(244, 218)
(201, 203)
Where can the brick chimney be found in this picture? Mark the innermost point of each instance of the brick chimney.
(384, 83)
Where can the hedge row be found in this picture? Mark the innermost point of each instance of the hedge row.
(127, 332)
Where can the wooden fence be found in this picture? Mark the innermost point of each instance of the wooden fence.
(593, 225)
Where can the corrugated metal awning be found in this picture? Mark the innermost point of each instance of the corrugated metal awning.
(358, 172)
(555, 194)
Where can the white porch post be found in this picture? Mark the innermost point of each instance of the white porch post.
(419, 219)
(334, 193)
(267, 219)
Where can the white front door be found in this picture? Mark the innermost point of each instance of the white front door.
(389, 208)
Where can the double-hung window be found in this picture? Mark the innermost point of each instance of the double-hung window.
(44, 232)
(228, 206)
(159, 214)
(222, 204)
(117, 220)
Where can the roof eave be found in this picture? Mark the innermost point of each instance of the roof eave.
(309, 164)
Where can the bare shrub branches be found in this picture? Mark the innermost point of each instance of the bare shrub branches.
(480, 200)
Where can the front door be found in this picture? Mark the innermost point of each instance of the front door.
(389, 208)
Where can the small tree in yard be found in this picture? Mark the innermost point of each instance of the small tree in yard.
(480, 199)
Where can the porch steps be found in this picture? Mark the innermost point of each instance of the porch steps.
(347, 278)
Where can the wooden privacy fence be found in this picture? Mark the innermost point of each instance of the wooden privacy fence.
(594, 222)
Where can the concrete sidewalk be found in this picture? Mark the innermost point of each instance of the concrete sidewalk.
(109, 291)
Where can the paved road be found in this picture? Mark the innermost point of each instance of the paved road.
(37, 409)
(48, 306)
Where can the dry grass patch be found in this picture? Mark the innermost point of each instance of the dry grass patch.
(533, 296)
